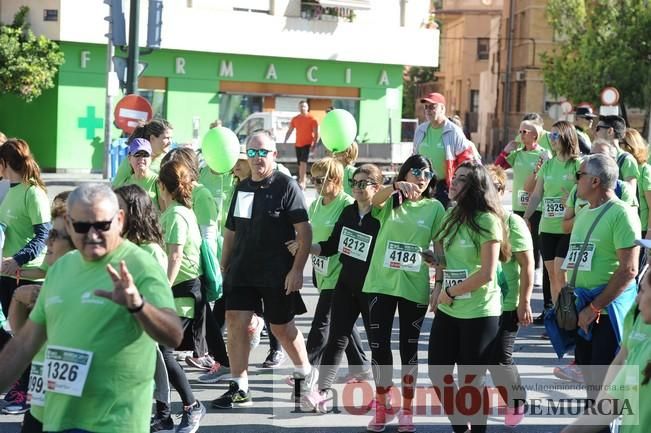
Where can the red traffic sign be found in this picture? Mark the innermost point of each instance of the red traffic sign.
(130, 111)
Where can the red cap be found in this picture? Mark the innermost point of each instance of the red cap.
(433, 98)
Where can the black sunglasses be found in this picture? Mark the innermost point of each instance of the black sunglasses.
(361, 184)
(84, 227)
(581, 173)
(319, 180)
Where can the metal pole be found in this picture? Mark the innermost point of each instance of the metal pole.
(507, 80)
(132, 59)
(108, 105)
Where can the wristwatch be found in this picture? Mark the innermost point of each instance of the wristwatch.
(138, 308)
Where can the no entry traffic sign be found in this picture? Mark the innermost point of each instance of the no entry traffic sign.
(130, 111)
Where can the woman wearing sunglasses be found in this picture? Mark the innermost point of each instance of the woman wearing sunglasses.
(140, 152)
(554, 181)
(182, 241)
(58, 244)
(466, 298)
(398, 278)
(327, 176)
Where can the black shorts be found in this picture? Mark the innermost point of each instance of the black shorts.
(554, 245)
(302, 154)
(278, 308)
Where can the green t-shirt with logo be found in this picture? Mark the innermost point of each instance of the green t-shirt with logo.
(24, 206)
(323, 219)
(180, 227)
(628, 382)
(157, 252)
(397, 268)
(221, 187)
(628, 167)
(558, 178)
(576, 202)
(125, 170)
(117, 392)
(618, 228)
(644, 186)
(463, 258)
(432, 148)
(543, 141)
(349, 170)
(149, 183)
(524, 163)
(520, 240)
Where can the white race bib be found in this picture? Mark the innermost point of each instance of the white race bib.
(244, 205)
(453, 277)
(320, 264)
(553, 207)
(354, 244)
(405, 257)
(36, 390)
(585, 264)
(66, 369)
(523, 198)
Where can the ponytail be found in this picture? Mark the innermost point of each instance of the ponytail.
(177, 180)
(16, 154)
(154, 127)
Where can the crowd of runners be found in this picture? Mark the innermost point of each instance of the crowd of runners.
(102, 286)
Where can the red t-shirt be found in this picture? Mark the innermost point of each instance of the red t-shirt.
(304, 126)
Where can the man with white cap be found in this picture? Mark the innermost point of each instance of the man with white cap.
(442, 142)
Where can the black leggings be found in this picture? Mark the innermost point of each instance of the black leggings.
(469, 344)
(214, 336)
(175, 373)
(347, 304)
(381, 311)
(502, 368)
(319, 334)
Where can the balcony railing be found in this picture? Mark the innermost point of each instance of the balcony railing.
(312, 10)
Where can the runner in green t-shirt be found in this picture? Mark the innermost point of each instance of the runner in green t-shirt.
(553, 184)
(516, 306)
(398, 278)
(634, 144)
(159, 134)
(466, 298)
(140, 152)
(100, 308)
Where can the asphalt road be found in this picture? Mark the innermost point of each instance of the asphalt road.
(273, 410)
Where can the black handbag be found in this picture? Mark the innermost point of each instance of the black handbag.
(567, 318)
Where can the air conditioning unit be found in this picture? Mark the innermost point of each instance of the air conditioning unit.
(520, 75)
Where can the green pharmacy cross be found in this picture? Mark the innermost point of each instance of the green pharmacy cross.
(90, 123)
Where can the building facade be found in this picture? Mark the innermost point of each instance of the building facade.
(224, 60)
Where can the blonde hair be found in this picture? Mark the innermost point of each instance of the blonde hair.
(634, 144)
(329, 167)
(348, 156)
(498, 175)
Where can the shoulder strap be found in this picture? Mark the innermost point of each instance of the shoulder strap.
(587, 239)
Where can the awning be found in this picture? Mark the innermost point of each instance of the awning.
(348, 4)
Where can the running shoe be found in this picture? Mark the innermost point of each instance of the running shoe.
(191, 418)
(513, 416)
(202, 363)
(361, 376)
(570, 372)
(233, 397)
(309, 382)
(382, 415)
(317, 401)
(9, 396)
(17, 404)
(275, 358)
(540, 319)
(406, 421)
(255, 329)
(216, 373)
(161, 424)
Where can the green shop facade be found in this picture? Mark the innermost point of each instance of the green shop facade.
(65, 126)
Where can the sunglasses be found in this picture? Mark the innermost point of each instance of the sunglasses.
(554, 135)
(418, 172)
(84, 227)
(56, 234)
(524, 131)
(581, 173)
(602, 127)
(319, 180)
(262, 153)
(141, 154)
(360, 184)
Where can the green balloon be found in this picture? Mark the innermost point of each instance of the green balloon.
(220, 148)
(338, 130)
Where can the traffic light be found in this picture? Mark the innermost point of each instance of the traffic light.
(154, 23)
(116, 18)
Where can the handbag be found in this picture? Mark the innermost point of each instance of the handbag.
(567, 317)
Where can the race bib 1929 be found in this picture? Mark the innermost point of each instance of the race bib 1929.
(354, 244)
(405, 257)
(66, 369)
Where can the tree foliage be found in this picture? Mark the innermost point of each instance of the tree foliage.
(604, 42)
(411, 78)
(28, 63)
